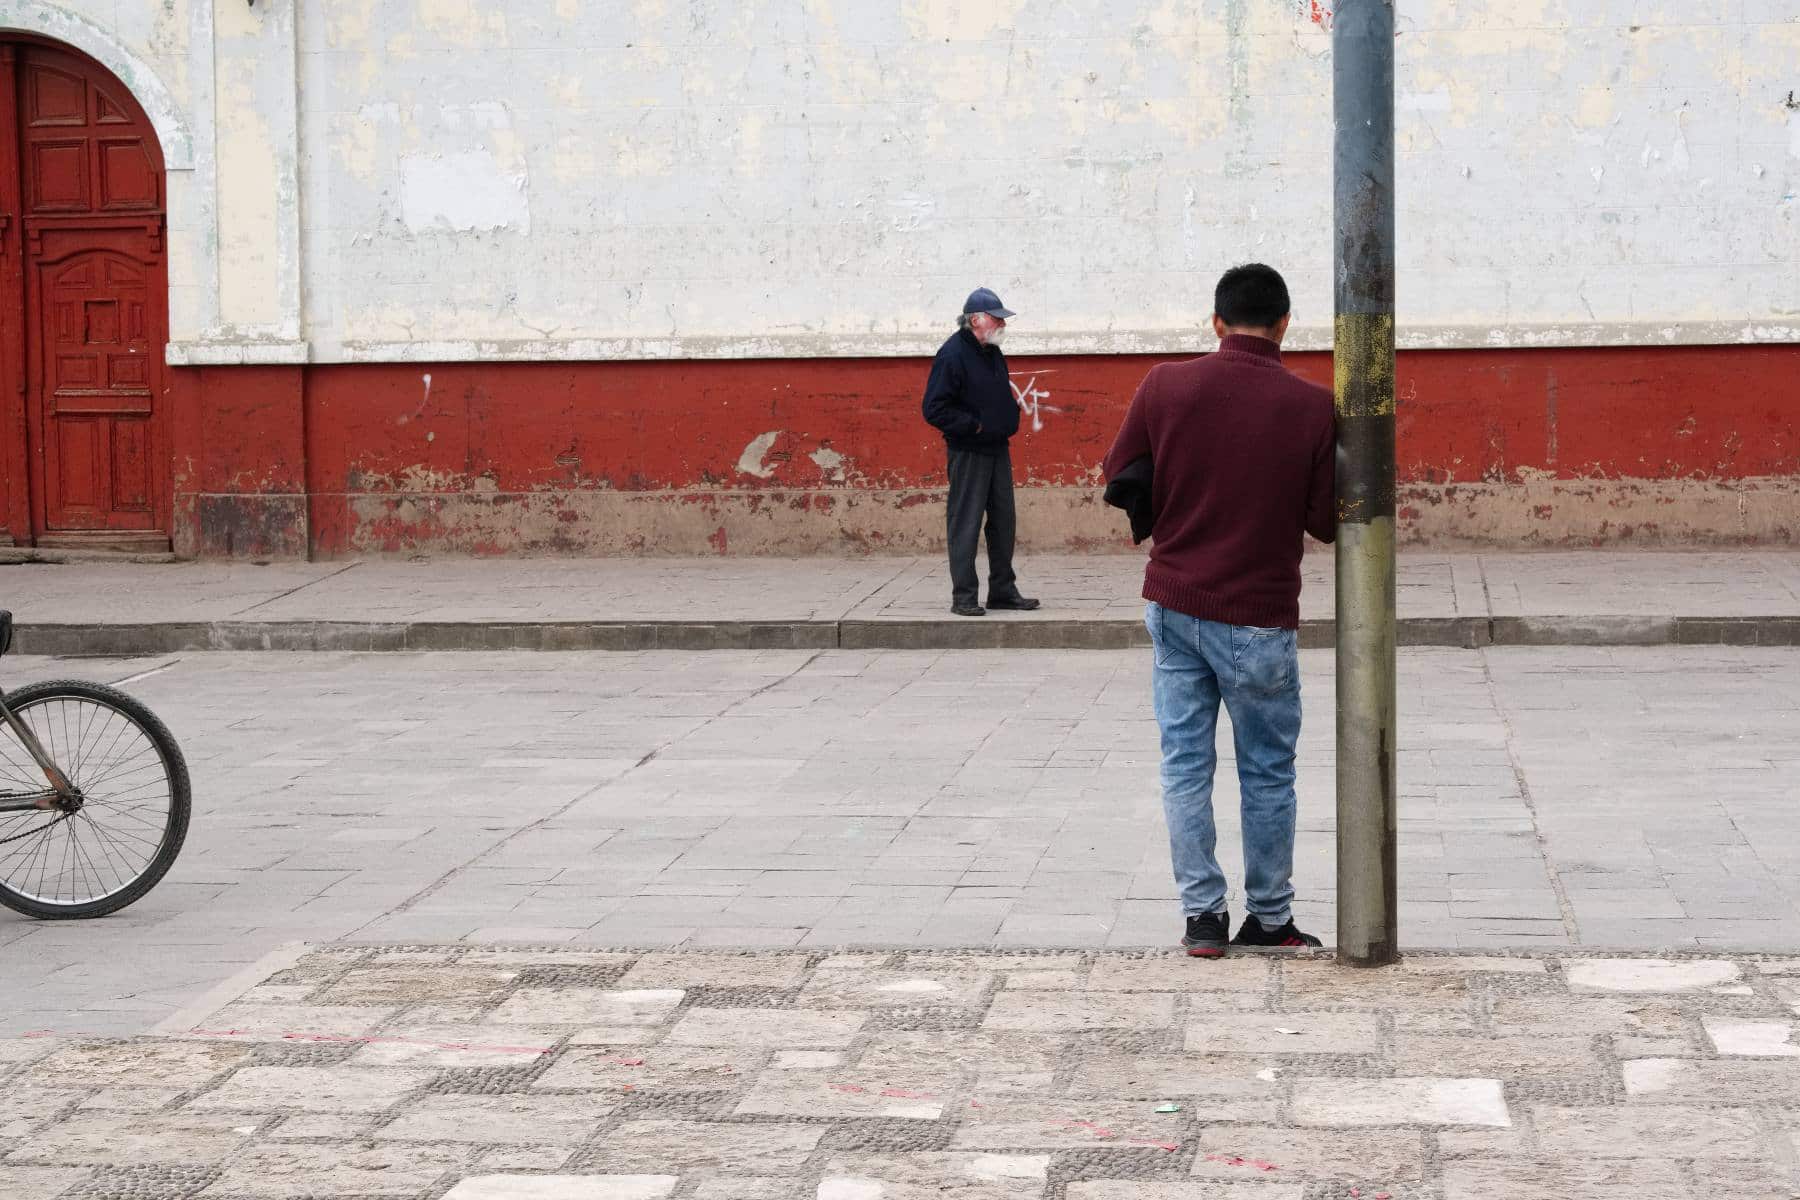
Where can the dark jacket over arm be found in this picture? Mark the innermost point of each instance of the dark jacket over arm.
(943, 393)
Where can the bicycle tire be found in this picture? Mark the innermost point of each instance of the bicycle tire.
(136, 713)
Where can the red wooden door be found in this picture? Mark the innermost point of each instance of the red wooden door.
(88, 321)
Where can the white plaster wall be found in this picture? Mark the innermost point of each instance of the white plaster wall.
(393, 179)
(545, 178)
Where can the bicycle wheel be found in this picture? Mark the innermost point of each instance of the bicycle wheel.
(134, 812)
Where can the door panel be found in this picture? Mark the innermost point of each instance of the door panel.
(88, 197)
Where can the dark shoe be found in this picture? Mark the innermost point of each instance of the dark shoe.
(1016, 603)
(968, 610)
(1206, 935)
(1288, 937)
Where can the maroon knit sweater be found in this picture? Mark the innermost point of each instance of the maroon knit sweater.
(1244, 454)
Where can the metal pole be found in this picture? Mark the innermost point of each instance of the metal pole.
(1362, 44)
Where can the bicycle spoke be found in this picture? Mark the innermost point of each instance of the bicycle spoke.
(65, 858)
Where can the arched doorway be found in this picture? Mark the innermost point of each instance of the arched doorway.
(83, 304)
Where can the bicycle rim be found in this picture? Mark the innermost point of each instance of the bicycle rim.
(67, 859)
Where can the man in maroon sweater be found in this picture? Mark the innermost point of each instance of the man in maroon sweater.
(1242, 457)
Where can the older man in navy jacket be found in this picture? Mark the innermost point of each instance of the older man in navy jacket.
(969, 399)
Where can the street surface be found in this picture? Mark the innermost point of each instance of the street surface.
(1630, 798)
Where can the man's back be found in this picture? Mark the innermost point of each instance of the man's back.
(1243, 454)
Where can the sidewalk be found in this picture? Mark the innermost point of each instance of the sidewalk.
(1467, 599)
(517, 1073)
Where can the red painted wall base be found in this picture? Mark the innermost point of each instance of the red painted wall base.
(1676, 445)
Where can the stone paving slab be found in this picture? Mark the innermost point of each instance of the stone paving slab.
(906, 1104)
(1749, 597)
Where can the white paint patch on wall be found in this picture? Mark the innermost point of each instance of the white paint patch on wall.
(750, 462)
(464, 192)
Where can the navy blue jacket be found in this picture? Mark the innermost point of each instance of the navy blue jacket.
(968, 396)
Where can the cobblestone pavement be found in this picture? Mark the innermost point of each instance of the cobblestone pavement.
(482, 1073)
(1625, 798)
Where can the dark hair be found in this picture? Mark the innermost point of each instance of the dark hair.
(1252, 296)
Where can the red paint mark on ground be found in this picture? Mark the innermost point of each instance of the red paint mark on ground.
(1318, 14)
(1171, 1147)
(1233, 1160)
(718, 540)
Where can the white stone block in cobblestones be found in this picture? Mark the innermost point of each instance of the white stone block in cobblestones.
(999, 1061)
(894, 989)
(1119, 1189)
(1015, 1123)
(1178, 973)
(312, 1089)
(806, 1060)
(928, 1176)
(278, 1022)
(750, 1187)
(1647, 974)
(525, 1120)
(1284, 1033)
(457, 1046)
(770, 1028)
(564, 1187)
(1463, 965)
(1651, 1131)
(523, 1158)
(1484, 1057)
(675, 970)
(1562, 1178)
(19, 1051)
(588, 1006)
(1768, 1039)
(688, 1146)
(1078, 1010)
(1356, 1102)
(840, 1094)
(39, 1183)
(417, 984)
(1046, 981)
(131, 1139)
(664, 1068)
(616, 1035)
(318, 1171)
(132, 1099)
(1725, 1081)
(1370, 1155)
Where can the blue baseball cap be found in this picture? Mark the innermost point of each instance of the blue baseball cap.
(983, 300)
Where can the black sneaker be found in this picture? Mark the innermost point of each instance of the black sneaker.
(1288, 937)
(1206, 935)
(968, 610)
(1014, 603)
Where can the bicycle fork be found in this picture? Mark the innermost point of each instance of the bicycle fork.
(64, 791)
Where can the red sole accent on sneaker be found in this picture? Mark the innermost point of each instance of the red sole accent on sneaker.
(1205, 952)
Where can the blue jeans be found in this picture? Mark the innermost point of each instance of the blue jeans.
(1257, 673)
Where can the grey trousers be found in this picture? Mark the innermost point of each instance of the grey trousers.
(981, 486)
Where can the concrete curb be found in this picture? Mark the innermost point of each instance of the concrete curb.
(930, 634)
